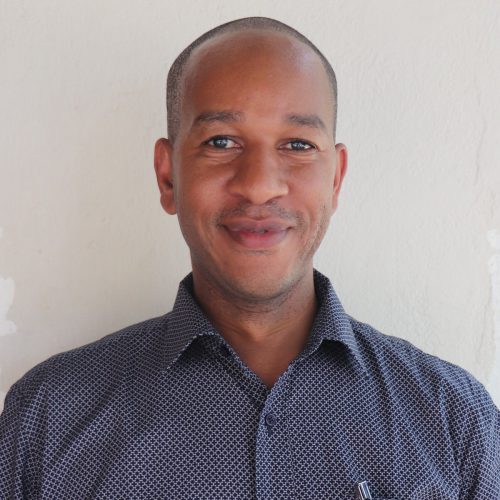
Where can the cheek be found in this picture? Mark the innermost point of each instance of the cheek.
(197, 206)
(317, 175)
(319, 227)
(314, 193)
(201, 183)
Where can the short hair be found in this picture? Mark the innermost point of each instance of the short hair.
(176, 72)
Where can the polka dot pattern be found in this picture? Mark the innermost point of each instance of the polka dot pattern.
(166, 410)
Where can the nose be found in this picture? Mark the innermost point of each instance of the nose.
(259, 176)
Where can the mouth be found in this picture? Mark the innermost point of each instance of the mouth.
(257, 234)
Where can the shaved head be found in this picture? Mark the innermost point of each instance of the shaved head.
(256, 24)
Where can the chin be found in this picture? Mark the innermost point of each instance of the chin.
(260, 285)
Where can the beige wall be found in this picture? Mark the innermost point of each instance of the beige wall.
(414, 248)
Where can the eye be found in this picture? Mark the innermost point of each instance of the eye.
(298, 145)
(221, 142)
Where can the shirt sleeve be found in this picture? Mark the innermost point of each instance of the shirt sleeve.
(22, 431)
(480, 461)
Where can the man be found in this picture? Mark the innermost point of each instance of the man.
(257, 384)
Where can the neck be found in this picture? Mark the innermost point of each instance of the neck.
(267, 333)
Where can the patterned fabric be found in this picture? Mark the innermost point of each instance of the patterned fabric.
(166, 410)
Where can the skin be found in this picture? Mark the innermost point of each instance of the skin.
(254, 176)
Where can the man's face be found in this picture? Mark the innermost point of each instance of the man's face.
(254, 168)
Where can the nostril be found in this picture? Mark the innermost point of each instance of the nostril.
(258, 185)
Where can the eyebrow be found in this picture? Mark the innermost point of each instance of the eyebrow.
(217, 116)
(312, 121)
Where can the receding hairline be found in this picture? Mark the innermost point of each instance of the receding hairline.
(248, 37)
(258, 25)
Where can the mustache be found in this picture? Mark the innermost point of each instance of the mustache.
(271, 210)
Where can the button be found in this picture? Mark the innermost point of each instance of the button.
(270, 419)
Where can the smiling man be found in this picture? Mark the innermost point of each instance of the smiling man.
(257, 384)
(253, 173)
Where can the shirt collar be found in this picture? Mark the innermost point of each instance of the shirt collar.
(187, 321)
(331, 322)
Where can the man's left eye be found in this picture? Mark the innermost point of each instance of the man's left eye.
(221, 142)
(297, 145)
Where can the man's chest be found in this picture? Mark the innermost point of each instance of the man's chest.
(214, 436)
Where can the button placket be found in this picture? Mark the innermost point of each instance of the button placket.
(271, 442)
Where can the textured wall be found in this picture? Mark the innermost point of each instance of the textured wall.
(85, 248)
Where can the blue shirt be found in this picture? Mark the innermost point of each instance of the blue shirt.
(166, 410)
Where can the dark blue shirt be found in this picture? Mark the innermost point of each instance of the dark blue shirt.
(166, 410)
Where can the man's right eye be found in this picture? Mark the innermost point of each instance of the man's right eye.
(221, 142)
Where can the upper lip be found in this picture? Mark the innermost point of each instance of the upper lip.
(257, 226)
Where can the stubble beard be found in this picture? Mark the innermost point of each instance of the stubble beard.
(259, 291)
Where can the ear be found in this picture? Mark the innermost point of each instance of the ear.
(340, 171)
(164, 174)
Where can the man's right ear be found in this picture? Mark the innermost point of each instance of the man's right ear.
(165, 174)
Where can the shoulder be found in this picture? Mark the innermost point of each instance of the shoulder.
(81, 388)
(440, 405)
(399, 357)
(421, 378)
(99, 364)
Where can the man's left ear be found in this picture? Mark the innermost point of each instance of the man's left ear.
(164, 174)
(340, 171)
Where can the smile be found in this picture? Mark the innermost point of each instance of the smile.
(255, 234)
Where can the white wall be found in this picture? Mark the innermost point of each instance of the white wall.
(85, 240)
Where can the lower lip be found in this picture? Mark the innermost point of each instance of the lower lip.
(250, 239)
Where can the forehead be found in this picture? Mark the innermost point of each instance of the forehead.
(273, 69)
(252, 42)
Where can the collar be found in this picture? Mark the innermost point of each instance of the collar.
(331, 322)
(188, 322)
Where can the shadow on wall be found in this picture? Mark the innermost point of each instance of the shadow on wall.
(494, 268)
(7, 290)
(7, 327)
